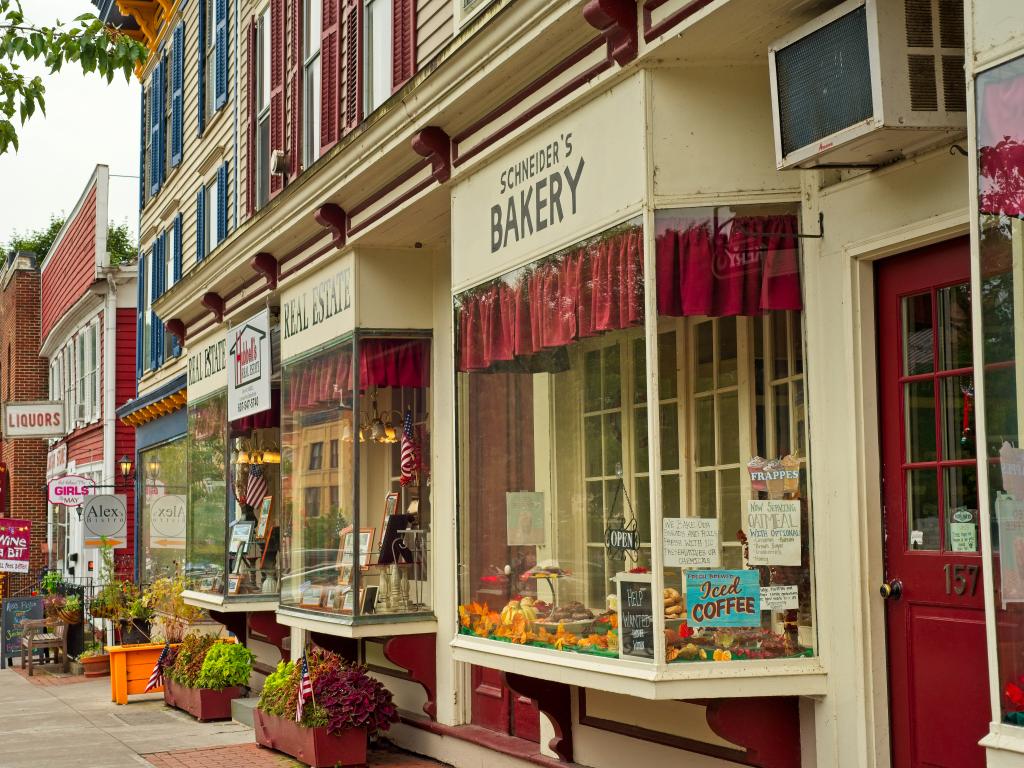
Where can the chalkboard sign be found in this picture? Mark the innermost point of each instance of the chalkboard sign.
(14, 610)
(636, 615)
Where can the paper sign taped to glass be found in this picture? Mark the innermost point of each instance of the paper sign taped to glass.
(773, 532)
(524, 512)
(1010, 521)
(691, 542)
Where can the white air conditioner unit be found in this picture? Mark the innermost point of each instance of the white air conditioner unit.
(278, 163)
(869, 82)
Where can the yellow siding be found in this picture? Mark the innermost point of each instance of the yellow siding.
(435, 26)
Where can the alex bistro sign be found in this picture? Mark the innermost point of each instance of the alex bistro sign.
(105, 521)
(36, 419)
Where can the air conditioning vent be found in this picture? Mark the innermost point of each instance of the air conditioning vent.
(833, 105)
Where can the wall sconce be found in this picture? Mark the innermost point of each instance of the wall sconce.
(125, 465)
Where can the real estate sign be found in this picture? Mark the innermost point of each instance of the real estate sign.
(249, 366)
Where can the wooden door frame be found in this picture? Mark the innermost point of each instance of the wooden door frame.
(861, 257)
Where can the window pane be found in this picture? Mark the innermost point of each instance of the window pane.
(780, 345)
(957, 417)
(919, 407)
(707, 500)
(960, 487)
(923, 509)
(727, 352)
(640, 371)
(917, 334)
(669, 437)
(732, 507)
(163, 511)
(954, 326)
(640, 433)
(667, 366)
(796, 329)
(612, 437)
(611, 380)
(704, 350)
(704, 431)
(206, 557)
(780, 394)
(728, 429)
(595, 511)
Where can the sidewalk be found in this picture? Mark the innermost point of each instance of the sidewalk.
(45, 722)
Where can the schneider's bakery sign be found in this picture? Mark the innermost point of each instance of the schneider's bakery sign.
(206, 363)
(249, 366)
(319, 309)
(561, 184)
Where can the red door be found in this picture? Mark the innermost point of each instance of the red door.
(938, 675)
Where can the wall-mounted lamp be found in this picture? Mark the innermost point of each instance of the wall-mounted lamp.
(124, 464)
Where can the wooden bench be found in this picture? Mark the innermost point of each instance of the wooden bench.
(44, 635)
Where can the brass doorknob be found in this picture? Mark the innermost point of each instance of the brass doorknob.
(891, 590)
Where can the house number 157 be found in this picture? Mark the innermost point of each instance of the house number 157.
(960, 579)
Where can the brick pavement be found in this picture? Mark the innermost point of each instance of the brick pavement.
(251, 756)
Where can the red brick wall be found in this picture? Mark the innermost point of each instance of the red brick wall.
(71, 268)
(24, 376)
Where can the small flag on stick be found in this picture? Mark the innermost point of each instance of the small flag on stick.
(305, 690)
(156, 677)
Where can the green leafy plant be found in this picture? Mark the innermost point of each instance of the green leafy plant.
(164, 596)
(277, 689)
(92, 649)
(73, 604)
(225, 665)
(50, 582)
(85, 41)
(188, 661)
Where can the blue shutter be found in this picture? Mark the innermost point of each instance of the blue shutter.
(163, 119)
(201, 224)
(157, 328)
(154, 132)
(177, 250)
(222, 202)
(142, 151)
(201, 90)
(177, 91)
(221, 40)
(140, 308)
(154, 259)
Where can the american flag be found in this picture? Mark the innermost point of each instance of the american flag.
(408, 456)
(156, 677)
(305, 690)
(256, 488)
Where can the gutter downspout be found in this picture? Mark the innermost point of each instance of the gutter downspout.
(109, 379)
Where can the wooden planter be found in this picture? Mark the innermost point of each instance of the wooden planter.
(96, 666)
(203, 704)
(313, 746)
(130, 668)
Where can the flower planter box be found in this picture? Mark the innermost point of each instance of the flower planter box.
(313, 746)
(130, 668)
(204, 704)
(96, 666)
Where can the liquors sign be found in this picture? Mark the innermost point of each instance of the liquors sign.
(249, 366)
(41, 419)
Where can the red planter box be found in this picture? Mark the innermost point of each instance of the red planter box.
(313, 746)
(203, 704)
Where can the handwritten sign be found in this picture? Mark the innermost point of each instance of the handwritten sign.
(1010, 520)
(14, 545)
(780, 598)
(14, 610)
(691, 542)
(723, 599)
(773, 532)
(636, 615)
(963, 532)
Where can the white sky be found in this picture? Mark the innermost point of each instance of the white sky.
(87, 122)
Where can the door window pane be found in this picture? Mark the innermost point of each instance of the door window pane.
(922, 509)
(917, 334)
(960, 486)
(954, 326)
(919, 410)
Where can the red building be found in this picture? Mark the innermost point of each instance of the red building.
(87, 333)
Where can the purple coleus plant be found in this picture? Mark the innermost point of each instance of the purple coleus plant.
(353, 699)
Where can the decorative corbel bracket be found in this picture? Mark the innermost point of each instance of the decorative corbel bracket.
(617, 21)
(417, 655)
(213, 302)
(266, 265)
(334, 218)
(176, 328)
(265, 622)
(435, 145)
(555, 701)
(768, 727)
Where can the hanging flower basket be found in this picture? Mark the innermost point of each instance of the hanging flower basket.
(204, 704)
(313, 746)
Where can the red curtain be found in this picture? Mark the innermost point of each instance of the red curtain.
(746, 267)
(585, 292)
(1001, 154)
(383, 363)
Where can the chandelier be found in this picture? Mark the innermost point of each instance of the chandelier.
(377, 426)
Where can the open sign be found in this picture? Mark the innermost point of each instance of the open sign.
(70, 490)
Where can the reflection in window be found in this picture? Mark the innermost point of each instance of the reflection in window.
(206, 556)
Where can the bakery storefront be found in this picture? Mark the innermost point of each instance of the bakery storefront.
(355, 437)
(633, 469)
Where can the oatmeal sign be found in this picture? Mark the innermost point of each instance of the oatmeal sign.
(773, 532)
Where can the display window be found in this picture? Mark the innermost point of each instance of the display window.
(163, 506)
(206, 540)
(568, 430)
(356, 479)
(1000, 94)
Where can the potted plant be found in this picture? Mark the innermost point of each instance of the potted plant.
(95, 662)
(171, 613)
(347, 708)
(134, 617)
(205, 675)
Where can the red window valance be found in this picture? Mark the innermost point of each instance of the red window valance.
(383, 363)
(1001, 148)
(745, 266)
(589, 290)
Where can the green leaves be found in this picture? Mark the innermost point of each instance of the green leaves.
(84, 41)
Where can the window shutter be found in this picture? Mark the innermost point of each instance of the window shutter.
(222, 202)
(159, 283)
(201, 68)
(353, 64)
(295, 149)
(154, 261)
(142, 152)
(162, 101)
(177, 250)
(154, 132)
(277, 68)
(201, 224)
(403, 42)
(221, 41)
(330, 75)
(177, 91)
(140, 309)
(250, 98)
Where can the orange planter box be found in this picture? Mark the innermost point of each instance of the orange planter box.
(130, 668)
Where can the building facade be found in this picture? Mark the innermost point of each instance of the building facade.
(486, 326)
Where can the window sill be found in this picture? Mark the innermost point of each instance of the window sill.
(356, 627)
(707, 680)
(240, 604)
(1003, 738)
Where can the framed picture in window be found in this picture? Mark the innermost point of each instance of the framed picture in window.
(235, 583)
(390, 507)
(312, 597)
(392, 546)
(345, 574)
(368, 599)
(241, 532)
(262, 526)
(348, 545)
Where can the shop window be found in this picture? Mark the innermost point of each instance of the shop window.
(359, 547)
(206, 552)
(1001, 254)
(162, 509)
(556, 452)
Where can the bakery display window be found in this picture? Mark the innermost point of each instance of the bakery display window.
(591, 432)
(356, 479)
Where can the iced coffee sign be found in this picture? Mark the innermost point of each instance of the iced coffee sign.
(573, 177)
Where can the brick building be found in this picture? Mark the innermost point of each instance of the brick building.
(23, 378)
